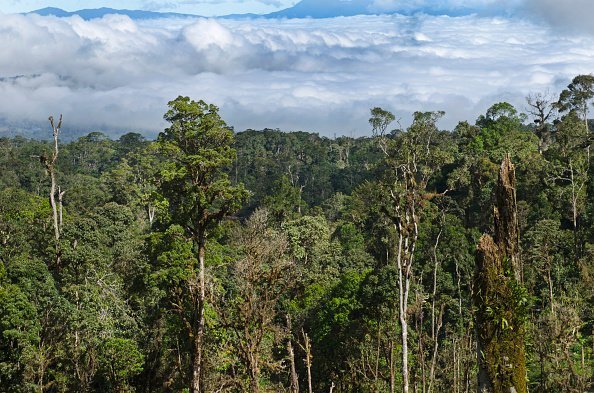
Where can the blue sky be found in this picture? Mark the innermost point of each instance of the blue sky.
(200, 7)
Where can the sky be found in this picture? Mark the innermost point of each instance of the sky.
(117, 75)
(198, 7)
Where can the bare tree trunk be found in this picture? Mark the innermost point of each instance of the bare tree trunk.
(60, 207)
(151, 214)
(198, 339)
(50, 166)
(392, 371)
(291, 352)
(507, 233)
(420, 350)
(407, 235)
(435, 349)
(500, 327)
(54, 206)
(434, 293)
(435, 326)
(308, 359)
(294, 377)
(403, 309)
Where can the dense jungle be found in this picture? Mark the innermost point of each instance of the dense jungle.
(210, 260)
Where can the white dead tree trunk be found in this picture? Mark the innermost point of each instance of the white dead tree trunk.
(50, 166)
(411, 162)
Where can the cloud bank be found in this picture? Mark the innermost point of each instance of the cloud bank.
(316, 75)
(570, 15)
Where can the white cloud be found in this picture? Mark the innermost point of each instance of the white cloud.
(570, 15)
(318, 75)
(482, 7)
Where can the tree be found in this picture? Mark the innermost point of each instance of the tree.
(260, 276)
(285, 201)
(577, 96)
(569, 168)
(541, 107)
(412, 159)
(197, 151)
(50, 166)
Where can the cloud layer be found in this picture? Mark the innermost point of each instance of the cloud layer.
(318, 75)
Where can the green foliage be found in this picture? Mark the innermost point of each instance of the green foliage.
(577, 95)
(285, 202)
(197, 149)
(19, 337)
(115, 316)
(119, 361)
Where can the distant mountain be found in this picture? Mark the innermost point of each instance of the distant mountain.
(88, 14)
(325, 9)
(335, 8)
(97, 13)
(51, 11)
(303, 9)
(242, 16)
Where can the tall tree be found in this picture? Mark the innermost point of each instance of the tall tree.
(577, 96)
(412, 159)
(197, 151)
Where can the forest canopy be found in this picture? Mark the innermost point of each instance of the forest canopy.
(269, 261)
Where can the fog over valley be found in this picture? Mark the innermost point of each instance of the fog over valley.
(117, 74)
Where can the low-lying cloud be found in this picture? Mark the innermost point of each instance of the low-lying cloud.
(569, 15)
(318, 75)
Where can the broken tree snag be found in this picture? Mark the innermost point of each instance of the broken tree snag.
(505, 215)
(499, 298)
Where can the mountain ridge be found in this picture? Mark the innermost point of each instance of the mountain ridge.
(96, 13)
(326, 9)
(304, 9)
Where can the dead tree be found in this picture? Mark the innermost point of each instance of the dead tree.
(499, 299)
(50, 166)
(308, 358)
(542, 108)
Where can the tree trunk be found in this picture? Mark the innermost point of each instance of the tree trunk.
(54, 206)
(392, 371)
(50, 166)
(151, 214)
(377, 356)
(291, 352)
(402, 308)
(198, 338)
(435, 349)
(294, 377)
(499, 316)
(505, 212)
(254, 377)
(308, 359)
(60, 207)
(435, 325)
